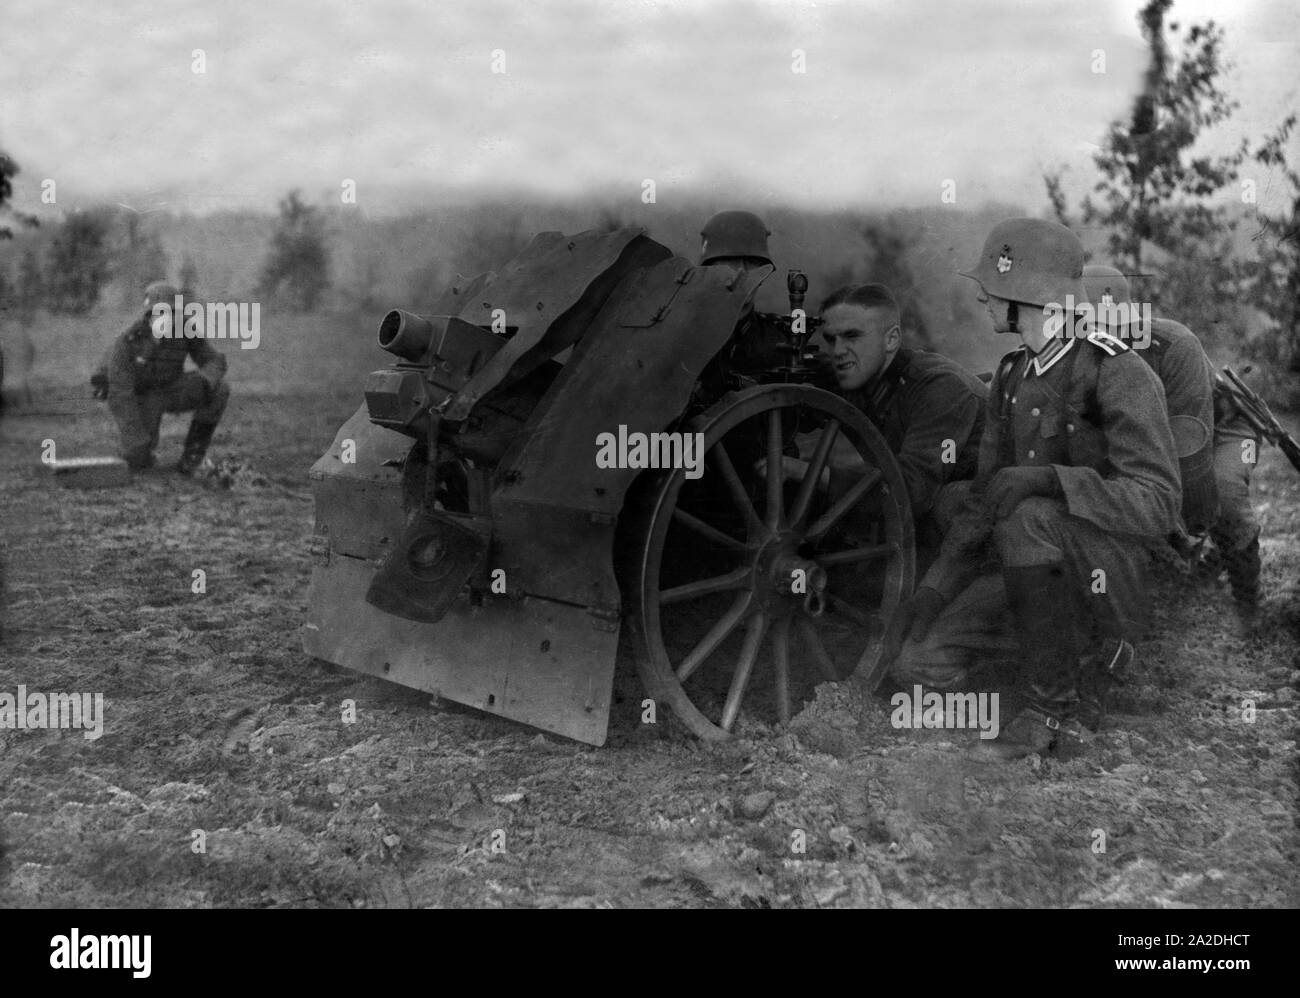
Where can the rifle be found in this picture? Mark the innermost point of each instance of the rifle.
(1256, 412)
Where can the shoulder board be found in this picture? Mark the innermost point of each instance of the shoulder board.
(1108, 343)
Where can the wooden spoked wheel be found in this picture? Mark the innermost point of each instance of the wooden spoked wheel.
(741, 573)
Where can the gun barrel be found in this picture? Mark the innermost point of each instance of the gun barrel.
(405, 334)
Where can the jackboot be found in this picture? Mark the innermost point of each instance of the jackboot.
(1043, 609)
(196, 446)
(1243, 567)
(1037, 729)
(1099, 671)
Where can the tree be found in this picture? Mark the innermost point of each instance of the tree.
(189, 275)
(1153, 191)
(78, 264)
(1274, 277)
(1152, 188)
(140, 258)
(30, 290)
(297, 265)
(9, 170)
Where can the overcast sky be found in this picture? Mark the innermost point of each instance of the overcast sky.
(898, 96)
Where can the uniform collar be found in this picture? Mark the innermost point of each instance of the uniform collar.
(1041, 362)
(891, 372)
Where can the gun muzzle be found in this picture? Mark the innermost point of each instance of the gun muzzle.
(405, 334)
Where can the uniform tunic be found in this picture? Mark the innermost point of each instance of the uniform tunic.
(920, 402)
(1095, 413)
(1179, 361)
(146, 378)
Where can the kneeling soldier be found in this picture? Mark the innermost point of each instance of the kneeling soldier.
(1077, 473)
(1209, 432)
(929, 409)
(143, 376)
(1185, 372)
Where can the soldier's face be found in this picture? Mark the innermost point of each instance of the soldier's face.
(998, 309)
(859, 341)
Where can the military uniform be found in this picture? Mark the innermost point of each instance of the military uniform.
(1094, 413)
(1180, 362)
(919, 402)
(1078, 473)
(144, 377)
(1236, 531)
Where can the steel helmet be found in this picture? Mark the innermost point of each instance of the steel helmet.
(159, 291)
(1031, 260)
(734, 234)
(1100, 280)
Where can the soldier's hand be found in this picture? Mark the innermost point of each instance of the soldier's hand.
(99, 382)
(1012, 486)
(913, 620)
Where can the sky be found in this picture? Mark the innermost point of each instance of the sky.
(899, 102)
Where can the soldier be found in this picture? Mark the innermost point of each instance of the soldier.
(1209, 432)
(735, 237)
(1179, 361)
(929, 409)
(1236, 531)
(1077, 472)
(738, 239)
(142, 376)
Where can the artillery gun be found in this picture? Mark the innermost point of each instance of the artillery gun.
(468, 542)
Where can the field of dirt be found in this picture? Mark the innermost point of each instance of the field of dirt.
(226, 775)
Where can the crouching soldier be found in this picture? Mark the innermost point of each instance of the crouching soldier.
(1179, 361)
(929, 409)
(142, 376)
(1077, 474)
(1217, 447)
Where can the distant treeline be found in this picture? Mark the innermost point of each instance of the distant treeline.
(310, 257)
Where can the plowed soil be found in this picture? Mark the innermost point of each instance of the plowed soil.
(226, 775)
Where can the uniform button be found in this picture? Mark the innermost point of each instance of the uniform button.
(1013, 400)
(1035, 411)
(1031, 455)
(1069, 427)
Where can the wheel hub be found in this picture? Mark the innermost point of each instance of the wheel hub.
(785, 580)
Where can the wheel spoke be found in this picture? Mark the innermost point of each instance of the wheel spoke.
(854, 555)
(754, 632)
(704, 530)
(718, 633)
(781, 666)
(851, 613)
(815, 465)
(775, 471)
(705, 587)
(739, 494)
(845, 503)
(813, 641)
